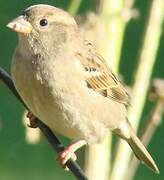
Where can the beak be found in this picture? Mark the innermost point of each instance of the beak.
(20, 25)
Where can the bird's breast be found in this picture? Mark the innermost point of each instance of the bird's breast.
(52, 95)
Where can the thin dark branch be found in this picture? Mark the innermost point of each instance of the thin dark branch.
(52, 139)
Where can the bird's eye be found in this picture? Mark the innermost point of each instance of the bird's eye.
(43, 22)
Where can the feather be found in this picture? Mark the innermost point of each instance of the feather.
(100, 77)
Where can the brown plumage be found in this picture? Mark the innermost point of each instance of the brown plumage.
(101, 79)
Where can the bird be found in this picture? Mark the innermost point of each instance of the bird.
(67, 84)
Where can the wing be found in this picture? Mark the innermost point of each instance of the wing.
(100, 77)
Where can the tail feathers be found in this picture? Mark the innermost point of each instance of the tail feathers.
(140, 151)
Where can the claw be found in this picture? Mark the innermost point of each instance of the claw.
(33, 123)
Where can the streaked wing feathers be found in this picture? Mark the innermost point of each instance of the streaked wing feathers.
(100, 77)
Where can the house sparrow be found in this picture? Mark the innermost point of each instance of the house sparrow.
(67, 84)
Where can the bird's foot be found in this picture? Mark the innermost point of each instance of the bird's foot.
(69, 152)
(32, 119)
(64, 156)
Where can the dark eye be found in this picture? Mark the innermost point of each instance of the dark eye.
(43, 22)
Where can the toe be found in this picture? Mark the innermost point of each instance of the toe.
(64, 156)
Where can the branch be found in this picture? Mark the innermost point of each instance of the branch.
(52, 139)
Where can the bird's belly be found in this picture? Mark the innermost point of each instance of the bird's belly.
(69, 118)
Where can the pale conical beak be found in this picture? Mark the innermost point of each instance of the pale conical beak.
(20, 25)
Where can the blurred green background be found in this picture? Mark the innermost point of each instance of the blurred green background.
(21, 161)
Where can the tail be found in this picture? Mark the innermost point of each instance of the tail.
(127, 133)
(140, 151)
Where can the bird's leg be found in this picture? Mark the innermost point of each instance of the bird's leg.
(69, 152)
(31, 117)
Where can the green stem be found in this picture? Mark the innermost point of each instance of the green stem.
(97, 160)
(114, 30)
(74, 6)
(142, 78)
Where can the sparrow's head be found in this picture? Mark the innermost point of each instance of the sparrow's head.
(44, 24)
